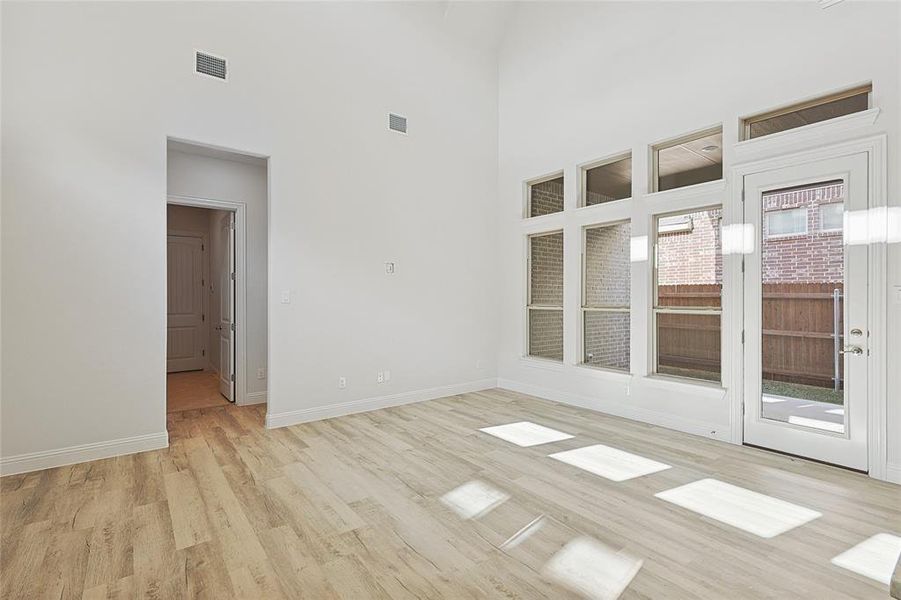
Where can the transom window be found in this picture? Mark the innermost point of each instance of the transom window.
(688, 160)
(607, 180)
(813, 111)
(545, 196)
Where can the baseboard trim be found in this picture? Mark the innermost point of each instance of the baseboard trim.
(35, 461)
(318, 413)
(709, 430)
(893, 473)
(255, 398)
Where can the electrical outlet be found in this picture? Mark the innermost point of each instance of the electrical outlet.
(286, 296)
(390, 268)
(342, 383)
(261, 373)
(380, 377)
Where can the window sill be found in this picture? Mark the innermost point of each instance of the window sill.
(535, 362)
(670, 382)
(603, 372)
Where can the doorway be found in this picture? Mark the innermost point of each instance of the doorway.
(807, 343)
(200, 295)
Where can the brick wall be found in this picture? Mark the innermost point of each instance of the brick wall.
(546, 197)
(607, 283)
(546, 288)
(814, 257)
(692, 257)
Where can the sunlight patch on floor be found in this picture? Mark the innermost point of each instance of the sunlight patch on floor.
(749, 511)
(610, 463)
(525, 433)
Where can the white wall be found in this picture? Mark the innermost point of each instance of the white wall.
(580, 81)
(199, 176)
(91, 92)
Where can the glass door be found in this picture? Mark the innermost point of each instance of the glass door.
(805, 311)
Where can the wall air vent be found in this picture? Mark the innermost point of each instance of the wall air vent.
(211, 66)
(397, 123)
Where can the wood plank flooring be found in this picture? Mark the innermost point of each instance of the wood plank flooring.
(352, 508)
(193, 390)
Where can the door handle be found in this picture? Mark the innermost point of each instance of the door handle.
(855, 350)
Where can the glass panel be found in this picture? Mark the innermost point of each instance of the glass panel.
(688, 345)
(689, 162)
(546, 333)
(606, 339)
(546, 197)
(546, 277)
(812, 114)
(607, 265)
(789, 221)
(802, 318)
(832, 216)
(612, 181)
(689, 260)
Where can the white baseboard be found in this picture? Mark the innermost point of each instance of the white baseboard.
(893, 473)
(318, 413)
(255, 398)
(35, 461)
(709, 430)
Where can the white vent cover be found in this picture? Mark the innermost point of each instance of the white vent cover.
(397, 123)
(211, 66)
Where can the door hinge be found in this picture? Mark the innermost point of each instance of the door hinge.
(742, 409)
(742, 336)
(233, 276)
(233, 377)
(232, 326)
(743, 195)
(202, 247)
(202, 318)
(743, 265)
(202, 352)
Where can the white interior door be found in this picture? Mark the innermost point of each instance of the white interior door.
(184, 291)
(226, 324)
(805, 310)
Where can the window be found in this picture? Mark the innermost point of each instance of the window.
(545, 197)
(688, 160)
(606, 290)
(688, 284)
(786, 222)
(814, 111)
(607, 180)
(545, 296)
(832, 216)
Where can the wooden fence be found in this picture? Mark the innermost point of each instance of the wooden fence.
(798, 339)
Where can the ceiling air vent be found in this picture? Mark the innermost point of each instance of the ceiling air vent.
(397, 123)
(211, 66)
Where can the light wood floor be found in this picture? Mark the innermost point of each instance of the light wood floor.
(351, 508)
(193, 389)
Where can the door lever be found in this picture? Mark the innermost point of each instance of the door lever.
(855, 350)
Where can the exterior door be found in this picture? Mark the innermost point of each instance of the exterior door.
(226, 324)
(184, 294)
(805, 310)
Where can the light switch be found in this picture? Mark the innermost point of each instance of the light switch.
(389, 268)
(286, 296)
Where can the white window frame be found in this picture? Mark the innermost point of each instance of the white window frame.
(583, 176)
(656, 310)
(790, 234)
(654, 150)
(527, 194)
(585, 307)
(530, 306)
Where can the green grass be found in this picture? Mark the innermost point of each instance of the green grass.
(803, 392)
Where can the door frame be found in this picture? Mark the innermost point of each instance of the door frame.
(240, 308)
(877, 401)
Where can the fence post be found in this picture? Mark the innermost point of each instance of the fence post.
(836, 335)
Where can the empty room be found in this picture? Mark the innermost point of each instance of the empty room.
(450, 299)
